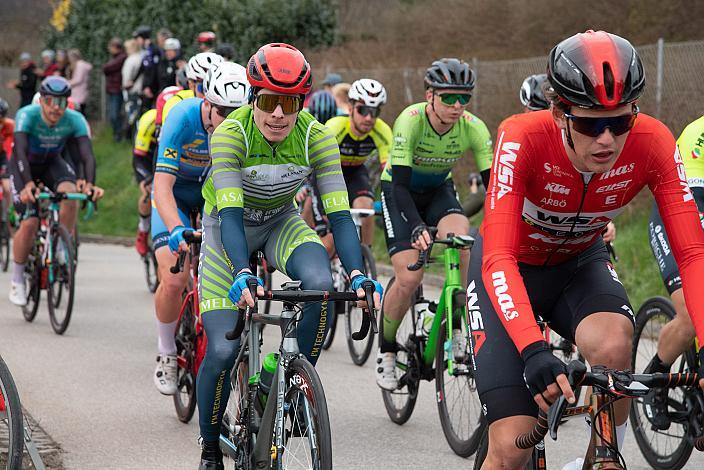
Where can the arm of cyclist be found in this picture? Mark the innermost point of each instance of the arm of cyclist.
(325, 161)
(85, 151)
(168, 210)
(609, 234)
(544, 373)
(681, 219)
(21, 162)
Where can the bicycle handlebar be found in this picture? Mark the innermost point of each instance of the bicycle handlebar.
(452, 240)
(368, 315)
(619, 384)
(189, 236)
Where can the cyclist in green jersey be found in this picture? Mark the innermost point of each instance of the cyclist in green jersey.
(261, 154)
(417, 190)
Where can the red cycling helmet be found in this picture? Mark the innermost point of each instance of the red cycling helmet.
(280, 67)
(206, 37)
(596, 70)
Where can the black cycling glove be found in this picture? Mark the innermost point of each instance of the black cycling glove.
(541, 367)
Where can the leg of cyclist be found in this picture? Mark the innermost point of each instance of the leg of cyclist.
(144, 212)
(69, 209)
(677, 335)
(361, 197)
(364, 202)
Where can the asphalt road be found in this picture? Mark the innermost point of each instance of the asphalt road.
(91, 389)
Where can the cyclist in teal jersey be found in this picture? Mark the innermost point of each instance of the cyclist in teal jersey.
(417, 189)
(261, 155)
(41, 133)
(183, 161)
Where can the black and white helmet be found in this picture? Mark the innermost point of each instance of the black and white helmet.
(532, 95)
(368, 91)
(199, 65)
(449, 74)
(226, 85)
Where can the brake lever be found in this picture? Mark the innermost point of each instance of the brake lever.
(178, 266)
(368, 287)
(555, 413)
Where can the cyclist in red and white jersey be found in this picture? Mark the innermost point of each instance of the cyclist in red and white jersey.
(558, 177)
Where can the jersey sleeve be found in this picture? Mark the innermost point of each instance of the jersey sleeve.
(145, 133)
(501, 229)
(324, 160)
(173, 133)
(228, 148)
(79, 123)
(23, 121)
(383, 138)
(668, 183)
(481, 144)
(405, 137)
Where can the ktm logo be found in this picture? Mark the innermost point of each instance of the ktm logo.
(557, 188)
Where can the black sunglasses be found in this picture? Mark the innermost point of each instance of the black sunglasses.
(368, 110)
(595, 126)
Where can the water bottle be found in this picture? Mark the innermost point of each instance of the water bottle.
(425, 320)
(266, 376)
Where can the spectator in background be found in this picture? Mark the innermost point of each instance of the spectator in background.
(132, 83)
(49, 66)
(340, 92)
(161, 36)
(226, 50)
(113, 86)
(206, 41)
(169, 64)
(330, 80)
(61, 63)
(79, 79)
(27, 84)
(150, 59)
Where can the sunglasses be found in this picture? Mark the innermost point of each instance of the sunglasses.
(60, 101)
(224, 111)
(368, 111)
(449, 99)
(595, 126)
(290, 104)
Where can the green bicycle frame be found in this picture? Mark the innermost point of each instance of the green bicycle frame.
(453, 284)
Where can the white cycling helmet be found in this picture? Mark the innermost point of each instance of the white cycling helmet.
(226, 85)
(368, 91)
(199, 65)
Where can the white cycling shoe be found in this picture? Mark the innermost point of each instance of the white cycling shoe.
(386, 371)
(166, 374)
(18, 293)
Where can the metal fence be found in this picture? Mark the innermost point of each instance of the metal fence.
(674, 91)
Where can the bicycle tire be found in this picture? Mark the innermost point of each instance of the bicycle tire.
(463, 440)
(656, 311)
(360, 350)
(330, 334)
(235, 422)
(399, 404)
(185, 397)
(64, 277)
(303, 383)
(11, 416)
(5, 246)
(32, 274)
(151, 270)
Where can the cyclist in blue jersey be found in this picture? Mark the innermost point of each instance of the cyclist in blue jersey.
(182, 165)
(41, 133)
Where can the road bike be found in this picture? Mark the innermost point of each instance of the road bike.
(51, 263)
(608, 386)
(433, 343)
(359, 350)
(665, 449)
(292, 430)
(5, 232)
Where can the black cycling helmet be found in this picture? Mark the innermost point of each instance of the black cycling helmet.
(4, 108)
(226, 50)
(449, 74)
(531, 93)
(596, 70)
(55, 86)
(322, 105)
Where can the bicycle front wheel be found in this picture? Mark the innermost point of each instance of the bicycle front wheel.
(185, 397)
(151, 269)
(234, 432)
(11, 421)
(360, 350)
(32, 274)
(4, 245)
(456, 394)
(306, 440)
(663, 449)
(61, 288)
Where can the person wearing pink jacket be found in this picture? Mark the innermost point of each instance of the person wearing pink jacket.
(80, 76)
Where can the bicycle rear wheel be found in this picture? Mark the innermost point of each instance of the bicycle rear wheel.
(61, 289)
(185, 397)
(11, 421)
(32, 274)
(456, 395)
(307, 443)
(4, 245)
(360, 350)
(400, 403)
(151, 269)
(663, 449)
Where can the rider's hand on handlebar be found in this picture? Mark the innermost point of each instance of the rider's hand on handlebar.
(609, 234)
(27, 195)
(301, 195)
(357, 281)
(421, 238)
(94, 192)
(239, 292)
(176, 241)
(545, 375)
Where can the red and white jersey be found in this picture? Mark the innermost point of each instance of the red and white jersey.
(540, 210)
